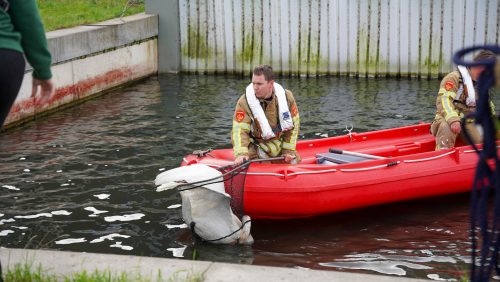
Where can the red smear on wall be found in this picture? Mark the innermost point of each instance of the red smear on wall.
(67, 94)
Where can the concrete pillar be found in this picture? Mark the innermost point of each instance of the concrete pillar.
(169, 41)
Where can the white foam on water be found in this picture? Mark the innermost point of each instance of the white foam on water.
(127, 217)
(64, 184)
(94, 210)
(10, 187)
(20, 227)
(324, 135)
(172, 226)
(178, 252)
(6, 220)
(45, 214)
(123, 247)
(61, 212)
(26, 170)
(1, 214)
(174, 206)
(60, 170)
(102, 196)
(437, 278)
(161, 169)
(109, 237)
(89, 164)
(70, 241)
(5, 232)
(22, 158)
(384, 267)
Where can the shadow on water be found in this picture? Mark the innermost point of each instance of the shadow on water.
(82, 179)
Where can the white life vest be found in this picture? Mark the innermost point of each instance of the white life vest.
(471, 91)
(285, 117)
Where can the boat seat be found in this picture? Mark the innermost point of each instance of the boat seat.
(334, 158)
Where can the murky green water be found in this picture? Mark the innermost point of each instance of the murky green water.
(82, 179)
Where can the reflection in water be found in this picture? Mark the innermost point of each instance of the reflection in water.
(82, 179)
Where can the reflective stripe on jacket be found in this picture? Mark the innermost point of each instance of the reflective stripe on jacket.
(246, 129)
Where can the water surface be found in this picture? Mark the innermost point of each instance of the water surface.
(82, 179)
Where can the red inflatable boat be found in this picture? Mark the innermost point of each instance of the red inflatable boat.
(352, 171)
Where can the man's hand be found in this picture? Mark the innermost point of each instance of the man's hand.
(46, 90)
(288, 158)
(455, 127)
(240, 159)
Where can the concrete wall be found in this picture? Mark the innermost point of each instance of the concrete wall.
(311, 37)
(87, 60)
(66, 264)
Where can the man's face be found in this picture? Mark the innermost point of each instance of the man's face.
(476, 71)
(263, 89)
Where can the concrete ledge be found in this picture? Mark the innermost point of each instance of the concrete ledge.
(71, 43)
(88, 60)
(161, 269)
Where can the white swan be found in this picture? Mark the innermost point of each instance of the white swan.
(207, 206)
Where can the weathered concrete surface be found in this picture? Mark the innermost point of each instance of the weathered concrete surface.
(66, 263)
(90, 60)
(68, 44)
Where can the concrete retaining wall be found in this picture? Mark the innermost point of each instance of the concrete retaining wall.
(161, 269)
(90, 59)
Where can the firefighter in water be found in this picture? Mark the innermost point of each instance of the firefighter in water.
(456, 98)
(266, 120)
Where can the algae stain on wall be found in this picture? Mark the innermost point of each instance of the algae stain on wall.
(308, 40)
(196, 46)
(246, 54)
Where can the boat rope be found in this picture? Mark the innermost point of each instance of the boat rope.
(370, 168)
(203, 153)
(349, 130)
(290, 174)
(231, 173)
(193, 224)
(312, 172)
(430, 158)
(485, 212)
(475, 151)
(265, 174)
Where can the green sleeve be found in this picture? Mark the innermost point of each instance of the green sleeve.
(26, 20)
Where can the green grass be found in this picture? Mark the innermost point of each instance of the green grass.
(58, 14)
(26, 272)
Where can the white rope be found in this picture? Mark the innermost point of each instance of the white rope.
(470, 151)
(367, 168)
(290, 174)
(430, 158)
(264, 174)
(312, 172)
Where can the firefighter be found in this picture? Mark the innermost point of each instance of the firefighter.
(266, 120)
(456, 98)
